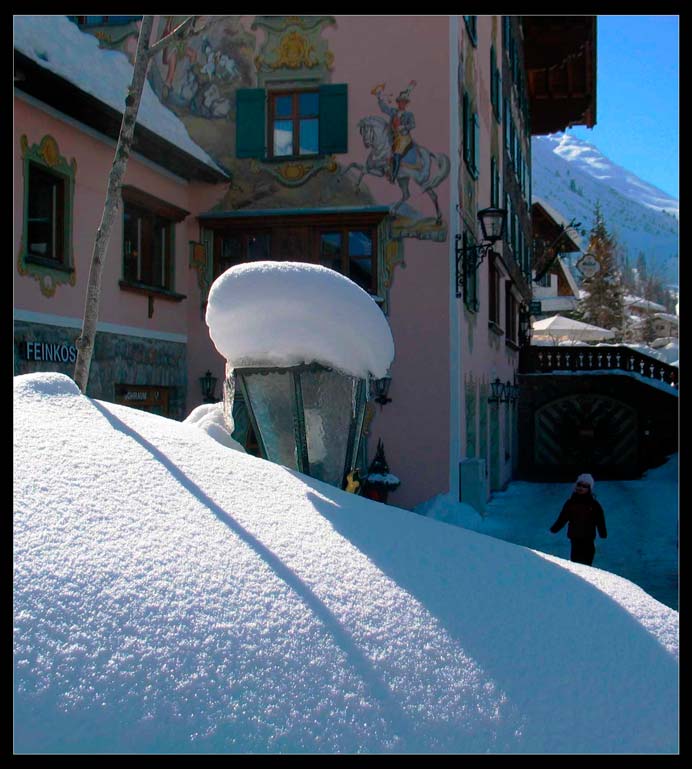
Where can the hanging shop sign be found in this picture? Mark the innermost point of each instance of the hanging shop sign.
(588, 265)
(48, 351)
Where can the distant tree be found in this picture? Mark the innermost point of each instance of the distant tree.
(641, 269)
(603, 304)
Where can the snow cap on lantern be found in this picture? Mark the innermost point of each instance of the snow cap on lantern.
(288, 313)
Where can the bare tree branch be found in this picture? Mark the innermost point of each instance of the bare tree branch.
(183, 30)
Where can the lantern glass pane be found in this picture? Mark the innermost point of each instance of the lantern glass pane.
(329, 408)
(271, 400)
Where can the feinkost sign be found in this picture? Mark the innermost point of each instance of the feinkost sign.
(46, 351)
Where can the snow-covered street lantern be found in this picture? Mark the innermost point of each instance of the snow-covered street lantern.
(301, 343)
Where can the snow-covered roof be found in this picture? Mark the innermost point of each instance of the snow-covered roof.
(674, 319)
(174, 596)
(641, 303)
(559, 219)
(288, 313)
(58, 45)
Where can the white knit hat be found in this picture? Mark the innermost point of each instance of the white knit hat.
(585, 478)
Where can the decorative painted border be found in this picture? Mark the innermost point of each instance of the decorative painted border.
(295, 173)
(47, 154)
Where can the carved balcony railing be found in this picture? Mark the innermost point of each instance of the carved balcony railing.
(583, 358)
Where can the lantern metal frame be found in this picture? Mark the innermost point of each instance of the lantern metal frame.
(237, 379)
(381, 388)
(208, 385)
(503, 392)
(469, 258)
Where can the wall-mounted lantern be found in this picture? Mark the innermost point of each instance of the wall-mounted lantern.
(208, 385)
(379, 482)
(503, 392)
(497, 390)
(469, 259)
(381, 390)
(307, 418)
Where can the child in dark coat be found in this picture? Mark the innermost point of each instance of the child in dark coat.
(584, 515)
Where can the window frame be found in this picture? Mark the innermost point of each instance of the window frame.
(150, 212)
(57, 220)
(308, 226)
(255, 119)
(295, 118)
(49, 272)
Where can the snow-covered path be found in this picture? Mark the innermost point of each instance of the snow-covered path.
(641, 517)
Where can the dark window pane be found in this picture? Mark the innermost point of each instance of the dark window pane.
(147, 247)
(258, 247)
(330, 250)
(308, 104)
(360, 259)
(309, 137)
(283, 106)
(131, 253)
(161, 253)
(45, 214)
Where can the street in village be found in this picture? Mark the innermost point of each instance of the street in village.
(641, 517)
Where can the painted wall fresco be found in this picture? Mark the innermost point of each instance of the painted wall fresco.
(197, 80)
(394, 154)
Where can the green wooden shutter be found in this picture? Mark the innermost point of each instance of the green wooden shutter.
(250, 123)
(476, 144)
(333, 119)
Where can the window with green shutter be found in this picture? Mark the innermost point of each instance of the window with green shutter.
(250, 122)
(470, 275)
(333, 119)
(280, 125)
(495, 86)
(471, 138)
(494, 183)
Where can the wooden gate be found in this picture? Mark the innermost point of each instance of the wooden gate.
(586, 433)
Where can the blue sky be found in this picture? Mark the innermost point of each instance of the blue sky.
(637, 110)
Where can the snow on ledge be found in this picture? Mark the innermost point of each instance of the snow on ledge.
(288, 313)
(57, 44)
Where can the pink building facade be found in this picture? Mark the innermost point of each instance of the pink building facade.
(364, 143)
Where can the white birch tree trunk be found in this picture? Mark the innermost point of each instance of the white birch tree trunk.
(144, 53)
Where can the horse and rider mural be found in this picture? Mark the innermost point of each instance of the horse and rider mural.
(395, 155)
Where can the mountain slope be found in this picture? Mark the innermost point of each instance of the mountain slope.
(572, 175)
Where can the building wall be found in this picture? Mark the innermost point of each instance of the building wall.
(488, 431)
(131, 347)
(446, 355)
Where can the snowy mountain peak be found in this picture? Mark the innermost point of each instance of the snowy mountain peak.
(589, 159)
(572, 175)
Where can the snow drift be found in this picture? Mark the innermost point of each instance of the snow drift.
(173, 595)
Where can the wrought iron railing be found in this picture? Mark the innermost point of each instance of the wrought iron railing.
(540, 359)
